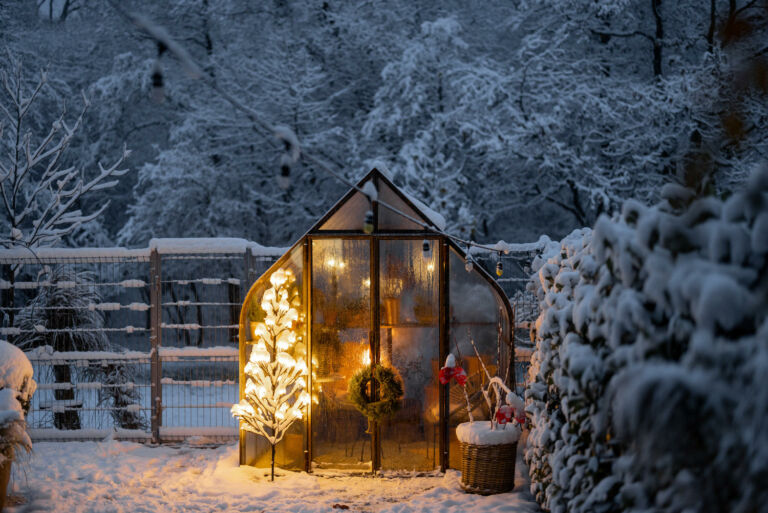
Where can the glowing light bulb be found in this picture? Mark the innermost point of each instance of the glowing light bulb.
(368, 222)
(286, 359)
(366, 358)
(259, 330)
(430, 267)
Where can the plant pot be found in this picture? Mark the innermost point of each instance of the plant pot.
(5, 477)
(487, 457)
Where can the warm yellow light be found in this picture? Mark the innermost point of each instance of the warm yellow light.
(430, 267)
(341, 265)
(330, 262)
(367, 282)
(366, 358)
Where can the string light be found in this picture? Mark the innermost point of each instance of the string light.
(499, 269)
(157, 93)
(368, 222)
(284, 178)
(468, 266)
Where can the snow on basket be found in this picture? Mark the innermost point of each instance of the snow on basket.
(481, 433)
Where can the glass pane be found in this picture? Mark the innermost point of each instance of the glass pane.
(410, 344)
(476, 313)
(389, 220)
(341, 320)
(289, 453)
(350, 215)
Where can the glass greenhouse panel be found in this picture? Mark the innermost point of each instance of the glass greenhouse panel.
(341, 323)
(476, 314)
(289, 453)
(389, 220)
(409, 343)
(350, 215)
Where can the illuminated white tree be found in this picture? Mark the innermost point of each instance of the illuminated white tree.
(276, 371)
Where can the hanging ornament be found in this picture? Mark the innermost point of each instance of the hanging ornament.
(368, 222)
(499, 268)
(452, 371)
(468, 265)
(426, 248)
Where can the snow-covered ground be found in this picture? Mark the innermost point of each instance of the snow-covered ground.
(112, 476)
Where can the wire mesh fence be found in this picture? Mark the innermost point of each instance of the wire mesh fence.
(137, 344)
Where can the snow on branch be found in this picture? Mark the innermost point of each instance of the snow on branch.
(40, 196)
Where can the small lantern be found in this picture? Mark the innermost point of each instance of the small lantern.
(368, 222)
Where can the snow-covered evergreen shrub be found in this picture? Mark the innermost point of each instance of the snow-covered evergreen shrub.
(650, 376)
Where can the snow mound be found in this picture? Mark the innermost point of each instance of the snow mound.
(15, 370)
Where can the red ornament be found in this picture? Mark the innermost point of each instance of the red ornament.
(504, 414)
(448, 373)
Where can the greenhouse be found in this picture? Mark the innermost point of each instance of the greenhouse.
(377, 281)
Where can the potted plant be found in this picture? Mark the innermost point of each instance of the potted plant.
(16, 389)
(488, 447)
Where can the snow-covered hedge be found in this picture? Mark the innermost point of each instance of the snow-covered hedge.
(650, 376)
(16, 389)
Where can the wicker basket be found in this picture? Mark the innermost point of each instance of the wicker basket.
(488, 469)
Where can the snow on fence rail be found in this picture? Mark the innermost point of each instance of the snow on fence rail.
(163, 323)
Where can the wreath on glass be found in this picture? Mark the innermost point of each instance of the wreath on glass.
(390, 392)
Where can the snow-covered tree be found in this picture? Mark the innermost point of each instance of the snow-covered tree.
(275, 388)
(42, 196)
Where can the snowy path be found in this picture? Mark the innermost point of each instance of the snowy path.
(124, 477)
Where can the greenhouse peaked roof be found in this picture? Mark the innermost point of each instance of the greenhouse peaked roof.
(349, 212)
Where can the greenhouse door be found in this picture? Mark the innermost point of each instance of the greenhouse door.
(341, 325)
(408, 341)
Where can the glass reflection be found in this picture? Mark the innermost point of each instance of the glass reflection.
(475, 313)
(340, 347)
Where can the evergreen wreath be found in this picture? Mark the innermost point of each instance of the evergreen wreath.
(390, 391)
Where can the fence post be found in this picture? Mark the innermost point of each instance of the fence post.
(155, 338)
(7, 303)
